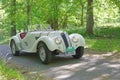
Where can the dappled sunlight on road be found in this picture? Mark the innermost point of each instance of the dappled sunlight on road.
(92, 66)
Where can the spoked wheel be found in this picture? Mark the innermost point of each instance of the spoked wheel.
(79, 53)
(14, 48)
(44, 53)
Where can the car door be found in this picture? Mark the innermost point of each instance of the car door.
(27, 42)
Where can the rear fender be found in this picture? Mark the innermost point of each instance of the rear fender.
(17, 42)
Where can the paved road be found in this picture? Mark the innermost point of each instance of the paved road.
(91, 67)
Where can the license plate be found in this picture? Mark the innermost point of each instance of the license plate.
(70, 51)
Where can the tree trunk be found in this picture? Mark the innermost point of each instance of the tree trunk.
(55, 23)
(90, 20)
(13, 28)
(53, 19)
(28, 13)
(13, 14)
(64, 24)
(82, 14)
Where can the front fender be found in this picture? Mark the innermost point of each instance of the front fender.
(81, 41)
(48, 41)
(17, 42)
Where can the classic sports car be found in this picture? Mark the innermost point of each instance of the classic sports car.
(48, 43)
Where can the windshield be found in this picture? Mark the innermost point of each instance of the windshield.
(40, 27)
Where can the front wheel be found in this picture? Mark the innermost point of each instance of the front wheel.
(79, 53)
(14, 48)
(44, 53)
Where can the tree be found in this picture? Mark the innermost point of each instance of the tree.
(13, 18)
(54, 10)
(90, 20)
(57, 13)
(28, 13)
(116, 2)
(82, 13)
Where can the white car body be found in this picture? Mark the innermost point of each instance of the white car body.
(30, 41)
(54, 40)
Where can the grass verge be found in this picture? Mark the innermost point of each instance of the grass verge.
(4, 40)
(9, 73)
(107, 45)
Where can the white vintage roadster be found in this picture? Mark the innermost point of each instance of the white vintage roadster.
(48, 43)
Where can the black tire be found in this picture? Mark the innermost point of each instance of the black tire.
(44, 51)
(14, 48)
(79, 53)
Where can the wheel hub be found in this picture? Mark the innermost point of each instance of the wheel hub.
(42, 54)
(13, 48)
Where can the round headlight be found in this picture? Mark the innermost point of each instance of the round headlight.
(58, 40)
(75, 39)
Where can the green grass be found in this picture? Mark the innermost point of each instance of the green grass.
(104, 38)
(9, 73)
(4, 40)
(103, 44)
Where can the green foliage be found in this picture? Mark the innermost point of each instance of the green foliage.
(70, 13)
(116, 2)
(107, 45)
(4, 40)
(9, 73)
(108, 32)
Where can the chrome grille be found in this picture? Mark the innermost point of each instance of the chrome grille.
(65, 39)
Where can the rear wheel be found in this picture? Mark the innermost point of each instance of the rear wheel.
(14, 48)
(79, 53)
(44, 53)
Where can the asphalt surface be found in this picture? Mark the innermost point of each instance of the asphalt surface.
(92, 66)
